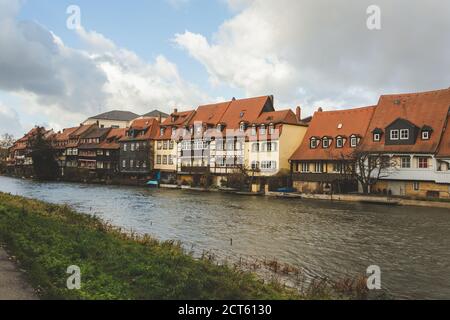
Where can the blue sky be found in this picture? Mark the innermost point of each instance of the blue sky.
(146, 27)
(141, 55)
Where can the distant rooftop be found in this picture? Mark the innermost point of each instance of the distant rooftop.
(156, 114)
(116, 115)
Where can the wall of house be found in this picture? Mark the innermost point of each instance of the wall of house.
(166, 153)
(408, 188)
(108, 123)
(290, 140)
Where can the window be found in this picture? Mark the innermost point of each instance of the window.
(404, 134)
(271, 129)
(423, 163)
(405, 162)
(425, 135)
(354, 141)
(198, 129)
(124, 163)
(271, 147)
(165, 145)
(159, 145)
(162, 131)
(416, 185)
(137, 146)
(255, 165)
(171, 145)
(318, 167)
(394, 134)
(242, 127)
(158, 159)
(268, 165)
(313, 143)
(170, 160)
(305, 167)
(339, 143)
(144, 164)
(131, 163)
(263, 129)
(125, 147)
(254, 130)
(107, 153)
(220, 161)
(376, 137)
(165, 160)
(255, 147)
(219, 128)
(132, 147)
(326, 143)
(138, 164)
(337, 167)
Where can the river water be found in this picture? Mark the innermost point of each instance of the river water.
(334, 239)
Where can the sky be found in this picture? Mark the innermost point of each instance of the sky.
(141, 55)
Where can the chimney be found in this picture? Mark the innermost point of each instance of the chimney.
(320, 109)
(175, 110)
(298, 113)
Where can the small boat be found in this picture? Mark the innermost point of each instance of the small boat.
(153, 184)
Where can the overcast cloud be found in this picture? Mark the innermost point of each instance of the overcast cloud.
(320, 52)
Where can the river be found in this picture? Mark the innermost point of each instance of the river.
(334, 239)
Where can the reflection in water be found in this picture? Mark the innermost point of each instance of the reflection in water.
(336, 240)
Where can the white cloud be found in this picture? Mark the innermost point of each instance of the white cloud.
(9, 121)
(67, 85)
(315, 51)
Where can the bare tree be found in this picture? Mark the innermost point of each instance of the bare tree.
(370, 167)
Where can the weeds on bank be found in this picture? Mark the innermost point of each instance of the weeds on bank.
(116, 264)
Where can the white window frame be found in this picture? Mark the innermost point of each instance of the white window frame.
(402, 136)
(353, 141)
(339, 143)
(395, 134)
(376, 137)
(425, 135)
(326, 143)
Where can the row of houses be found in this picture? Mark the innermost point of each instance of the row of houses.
(408, 131)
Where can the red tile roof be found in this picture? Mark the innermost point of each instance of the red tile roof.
(333, 124)
(444, 147)
(112, 139)
(210, 114)
(276, 117)
(150, 125)
(245, 110)
(175, 120)
(422, 109)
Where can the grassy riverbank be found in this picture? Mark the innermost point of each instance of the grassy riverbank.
(46, 239)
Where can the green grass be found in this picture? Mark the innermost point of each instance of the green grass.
(46, 239)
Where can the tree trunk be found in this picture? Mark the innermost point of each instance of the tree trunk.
(365, 188)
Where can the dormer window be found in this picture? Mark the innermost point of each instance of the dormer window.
(326, 143)
(253, 130)
(377, 137)
(162, 130)
(242, 127)
(353, 141)
(395, 134)
(242, 114)
(314, 143)
(219, 128)
(339, 142)
(426, 132)
(263, 129)
(404, 134)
